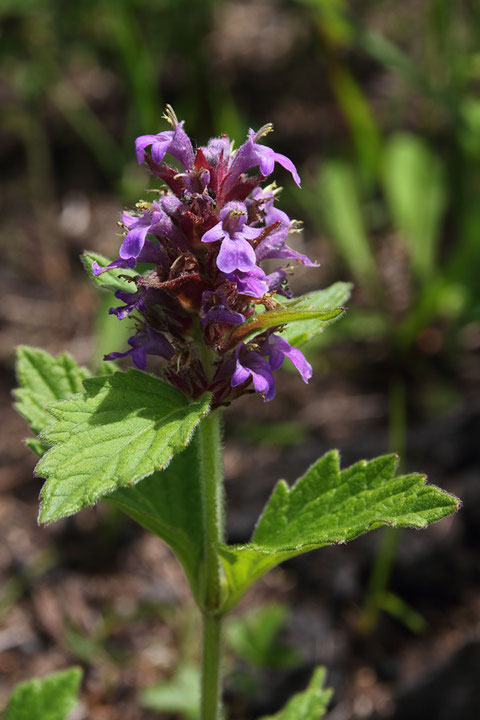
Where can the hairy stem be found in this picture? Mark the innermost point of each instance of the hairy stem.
(211, 461)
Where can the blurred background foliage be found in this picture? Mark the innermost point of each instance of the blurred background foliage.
(378, 105)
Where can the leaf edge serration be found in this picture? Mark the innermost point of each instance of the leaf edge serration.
(54, 408)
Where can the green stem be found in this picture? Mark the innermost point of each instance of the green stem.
(211, 467)
(210, 700)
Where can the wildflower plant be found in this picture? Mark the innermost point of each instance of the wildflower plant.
(212, 323)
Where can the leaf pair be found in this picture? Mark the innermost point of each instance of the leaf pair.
(126, 427)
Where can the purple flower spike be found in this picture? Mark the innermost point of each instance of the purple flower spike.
(251, 154)
(175, 141)
(146, 342)
(251, 365)
(236, 253)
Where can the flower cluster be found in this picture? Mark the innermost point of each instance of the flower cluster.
(203, 241)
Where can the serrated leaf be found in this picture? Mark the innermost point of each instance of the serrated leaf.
(42, 379)
(111, 279)
(49, 698)
(311, 704)
(169, 504)
(327, 506)
(334, 296)
(122, 428)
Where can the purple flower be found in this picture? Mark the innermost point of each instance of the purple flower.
(236, 253)
(133, 301)
(253, 364)
(277, 280)
(253, 283)
(175, 141)
(150, 253)
(215, 309)
(153, 222)
(145, 342)
(251, 154)
(138, 228)
(217, 151)
(278, 349)
(274, 245)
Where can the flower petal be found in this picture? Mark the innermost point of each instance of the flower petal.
(133, 243)
(215, 233)
(235, 254)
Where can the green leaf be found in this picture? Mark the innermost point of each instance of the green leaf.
(261, 322)
(328, 506)
(169, 504)
(415, 186)
(43, 378)
(311, 704)
(334, 296)
(122, 428)
(180, 695)
(254, 637)
(111, 279)
(49, 698)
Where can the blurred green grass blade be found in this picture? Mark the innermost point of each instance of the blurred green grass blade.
(343, 218)
(415, 187)
(331, 19)
(402, 611)
(388, 54)
(358, 114)
(139, 62)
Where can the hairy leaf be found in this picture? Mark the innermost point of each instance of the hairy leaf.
(122, 428)
(334, 296)
(49, 698)
(42, 379)
(328, 506)
(114, 279)
(311, 704)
